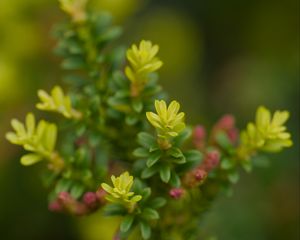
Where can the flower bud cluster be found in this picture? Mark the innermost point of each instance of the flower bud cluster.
(226, 124)
(89, 203)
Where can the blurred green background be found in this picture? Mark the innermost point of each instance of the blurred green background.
(219, 57)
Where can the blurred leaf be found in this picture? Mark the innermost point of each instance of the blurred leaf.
(141, 152)
(77, 190)
(165, 173)
(145, 230)
(63, 185)
(150, 214)
(153, 158)
(233, 176)
(146, 140)
(126, 223)
(158, 202)
(30, 159)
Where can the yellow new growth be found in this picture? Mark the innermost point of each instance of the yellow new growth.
(168, 122)
(267, 133)
(57, 102)
(120, 192)
(75, 8)
(38, 138)
(142, 61)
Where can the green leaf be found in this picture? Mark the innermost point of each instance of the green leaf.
(73, 63)
(233, 176)
(154, 148)
(193, 156)
(114, 209)
(119, 79)
(227, 163)
(148, 172)
(175, 152)
(146, 192)
(102, 21)
(131, 120)
(126, 223)
(122, 93)
(177, 155)
(175, 180)
(77, 190)
(158, 202)
(151, 90)
(49, 177)
(180, 160)
(63, 185)
(111, 34)
(150, 214)
(75, 80)
(141, 152)
(137, 106)
(223, 140)
(145, 230)
(30, 159)
(114, 101)
(165, 173)
(153, 158)
(183, 136)
(146, 140)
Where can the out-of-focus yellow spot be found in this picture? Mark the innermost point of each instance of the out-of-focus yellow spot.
(99, 227)
(8, 83)
(120, 9)
(178, 37)
(96, 226)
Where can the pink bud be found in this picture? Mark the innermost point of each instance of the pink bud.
(214, 157)
(72, 205)
(101, 195)
(80, 209)
(226, 122)
(200, 174)
(233, 135)
(199, 135)
(176, 193)
(90, 199)
(64, 196)
(55, 206)
(212, 160)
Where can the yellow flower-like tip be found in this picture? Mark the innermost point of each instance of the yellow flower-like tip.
(142, 61)
(75, 8)
(167, 121)
(38, 138)
(268, 133)
(57, 102)
(272, 127)
(120, 192)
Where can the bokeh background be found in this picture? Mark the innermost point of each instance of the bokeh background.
(220, 57)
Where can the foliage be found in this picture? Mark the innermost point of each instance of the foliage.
(106, 108)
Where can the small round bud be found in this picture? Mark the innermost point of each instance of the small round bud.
(101, 195)
(90, 199)
(55, 206)
(64, 196)
(233, 135)
(176, 193)
(212, 160)
(199, 135)
(226, 122)
(200, 174)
